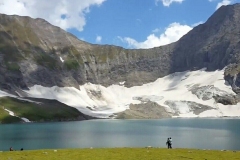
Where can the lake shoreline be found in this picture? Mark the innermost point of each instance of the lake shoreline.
(95, 118)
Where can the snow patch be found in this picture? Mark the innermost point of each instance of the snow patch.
(12, 114)
(25, 120)
(9, 112)
(100, 101)
(122, 83)
(27, 100)
(146, 98)
(5, 94)
(61, 59)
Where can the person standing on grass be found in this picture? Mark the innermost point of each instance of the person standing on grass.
(170, 143)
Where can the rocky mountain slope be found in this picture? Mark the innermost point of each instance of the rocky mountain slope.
(34, 52)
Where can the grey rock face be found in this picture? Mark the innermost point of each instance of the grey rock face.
(227, 99)
(145, 99)
(220, 96)
(213, 44)
(208, 92)
(232, 76)
(39, 47)
(181, 107)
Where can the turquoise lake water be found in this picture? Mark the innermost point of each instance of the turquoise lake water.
(186, 133)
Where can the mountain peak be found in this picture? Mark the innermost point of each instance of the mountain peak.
(213, 45)
(225, 14)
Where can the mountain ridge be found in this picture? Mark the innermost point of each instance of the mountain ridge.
(37, 56)
(107, 64)
(222, 27)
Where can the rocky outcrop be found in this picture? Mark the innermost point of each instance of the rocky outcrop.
(148, 110)
(232, 76)
(227, 99)
(186, 107)
(208, 92)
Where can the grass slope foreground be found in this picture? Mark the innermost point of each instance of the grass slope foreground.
(42, 111)
(121, 154)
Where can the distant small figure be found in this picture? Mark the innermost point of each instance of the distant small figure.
(170, 140)
(10, 149)
(21, 149)
(169, 143)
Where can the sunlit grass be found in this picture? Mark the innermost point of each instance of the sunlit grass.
(6, 118)
(121, 154)
(48, 110)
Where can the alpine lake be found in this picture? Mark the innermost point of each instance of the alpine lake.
(198, 133)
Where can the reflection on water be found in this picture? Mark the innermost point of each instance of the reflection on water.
(186, 133)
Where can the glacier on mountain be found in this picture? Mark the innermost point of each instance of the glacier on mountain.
(183, 94)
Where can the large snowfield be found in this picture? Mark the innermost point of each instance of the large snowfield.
(175, 92)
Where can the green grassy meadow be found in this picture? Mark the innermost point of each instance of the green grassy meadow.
(47, 110)
(121, 154)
